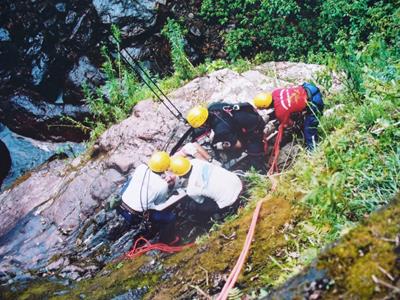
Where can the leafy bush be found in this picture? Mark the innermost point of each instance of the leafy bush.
(112, 102)
(299, 29)
(183, 67)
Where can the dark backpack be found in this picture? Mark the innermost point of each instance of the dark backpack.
(229, 107)
(225, 112)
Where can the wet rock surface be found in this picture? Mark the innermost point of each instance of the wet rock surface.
(133, 17)
(48, 49)
(41, 43)
(62, 214)
(26, 153)
(5, 161)
(41, 120)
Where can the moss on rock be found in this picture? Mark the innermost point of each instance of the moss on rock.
(367, 252)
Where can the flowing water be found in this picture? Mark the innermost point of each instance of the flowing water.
(27, 154)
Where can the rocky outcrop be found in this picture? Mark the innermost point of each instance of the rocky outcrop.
(40, 119)
(132, 17)
(27, 154)
(63, 197)
(48, 50)
(41, 44)
(5, 161)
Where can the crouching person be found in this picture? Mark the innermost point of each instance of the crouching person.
(212, 188)
(305, 98)
(145, 197)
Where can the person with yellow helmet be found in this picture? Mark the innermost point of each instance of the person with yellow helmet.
(305, 98)
(147, 190)
(211, 187)
(237, 128)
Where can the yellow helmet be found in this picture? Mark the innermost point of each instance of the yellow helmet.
(159, 162)
(197, 116)
(262, 100)
(180, 165)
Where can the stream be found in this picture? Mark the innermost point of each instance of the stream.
(27, 153)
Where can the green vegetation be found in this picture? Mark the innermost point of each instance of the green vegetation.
(295, 30)
(358, 164)
(174, 33)
(360, 264)
(114, 101)
(354, 171)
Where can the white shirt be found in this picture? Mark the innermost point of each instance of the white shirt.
(209, 180)
(146, 190)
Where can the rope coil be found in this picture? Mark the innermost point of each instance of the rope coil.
(138, 251)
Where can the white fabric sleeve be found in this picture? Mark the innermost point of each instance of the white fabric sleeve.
(189, 149)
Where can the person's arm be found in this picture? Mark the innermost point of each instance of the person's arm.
(201, 152)
(179, 195)
(195, 150)
(225, 138)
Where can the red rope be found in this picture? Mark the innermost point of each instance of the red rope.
(275, 152)
(239, 264)
(137, 251)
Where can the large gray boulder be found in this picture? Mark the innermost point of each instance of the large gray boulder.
(132, 17)
(27, 115)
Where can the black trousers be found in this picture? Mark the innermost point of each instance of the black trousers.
(205, 211)
(162, 222)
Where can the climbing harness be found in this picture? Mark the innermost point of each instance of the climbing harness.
(138, 251)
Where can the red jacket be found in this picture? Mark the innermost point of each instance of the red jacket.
(288, 101)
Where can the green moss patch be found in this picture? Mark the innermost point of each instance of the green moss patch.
(367, 252)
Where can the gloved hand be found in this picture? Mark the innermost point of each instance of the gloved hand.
(269, 128)
(222, 145)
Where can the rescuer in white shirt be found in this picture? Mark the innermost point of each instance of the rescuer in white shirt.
(212, 187)
(146, 195)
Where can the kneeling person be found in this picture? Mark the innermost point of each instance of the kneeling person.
(147, 191)
(212, 188)
(305, 98)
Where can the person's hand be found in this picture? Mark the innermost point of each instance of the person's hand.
(222, 145)
(269, 128)
(170, 179)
